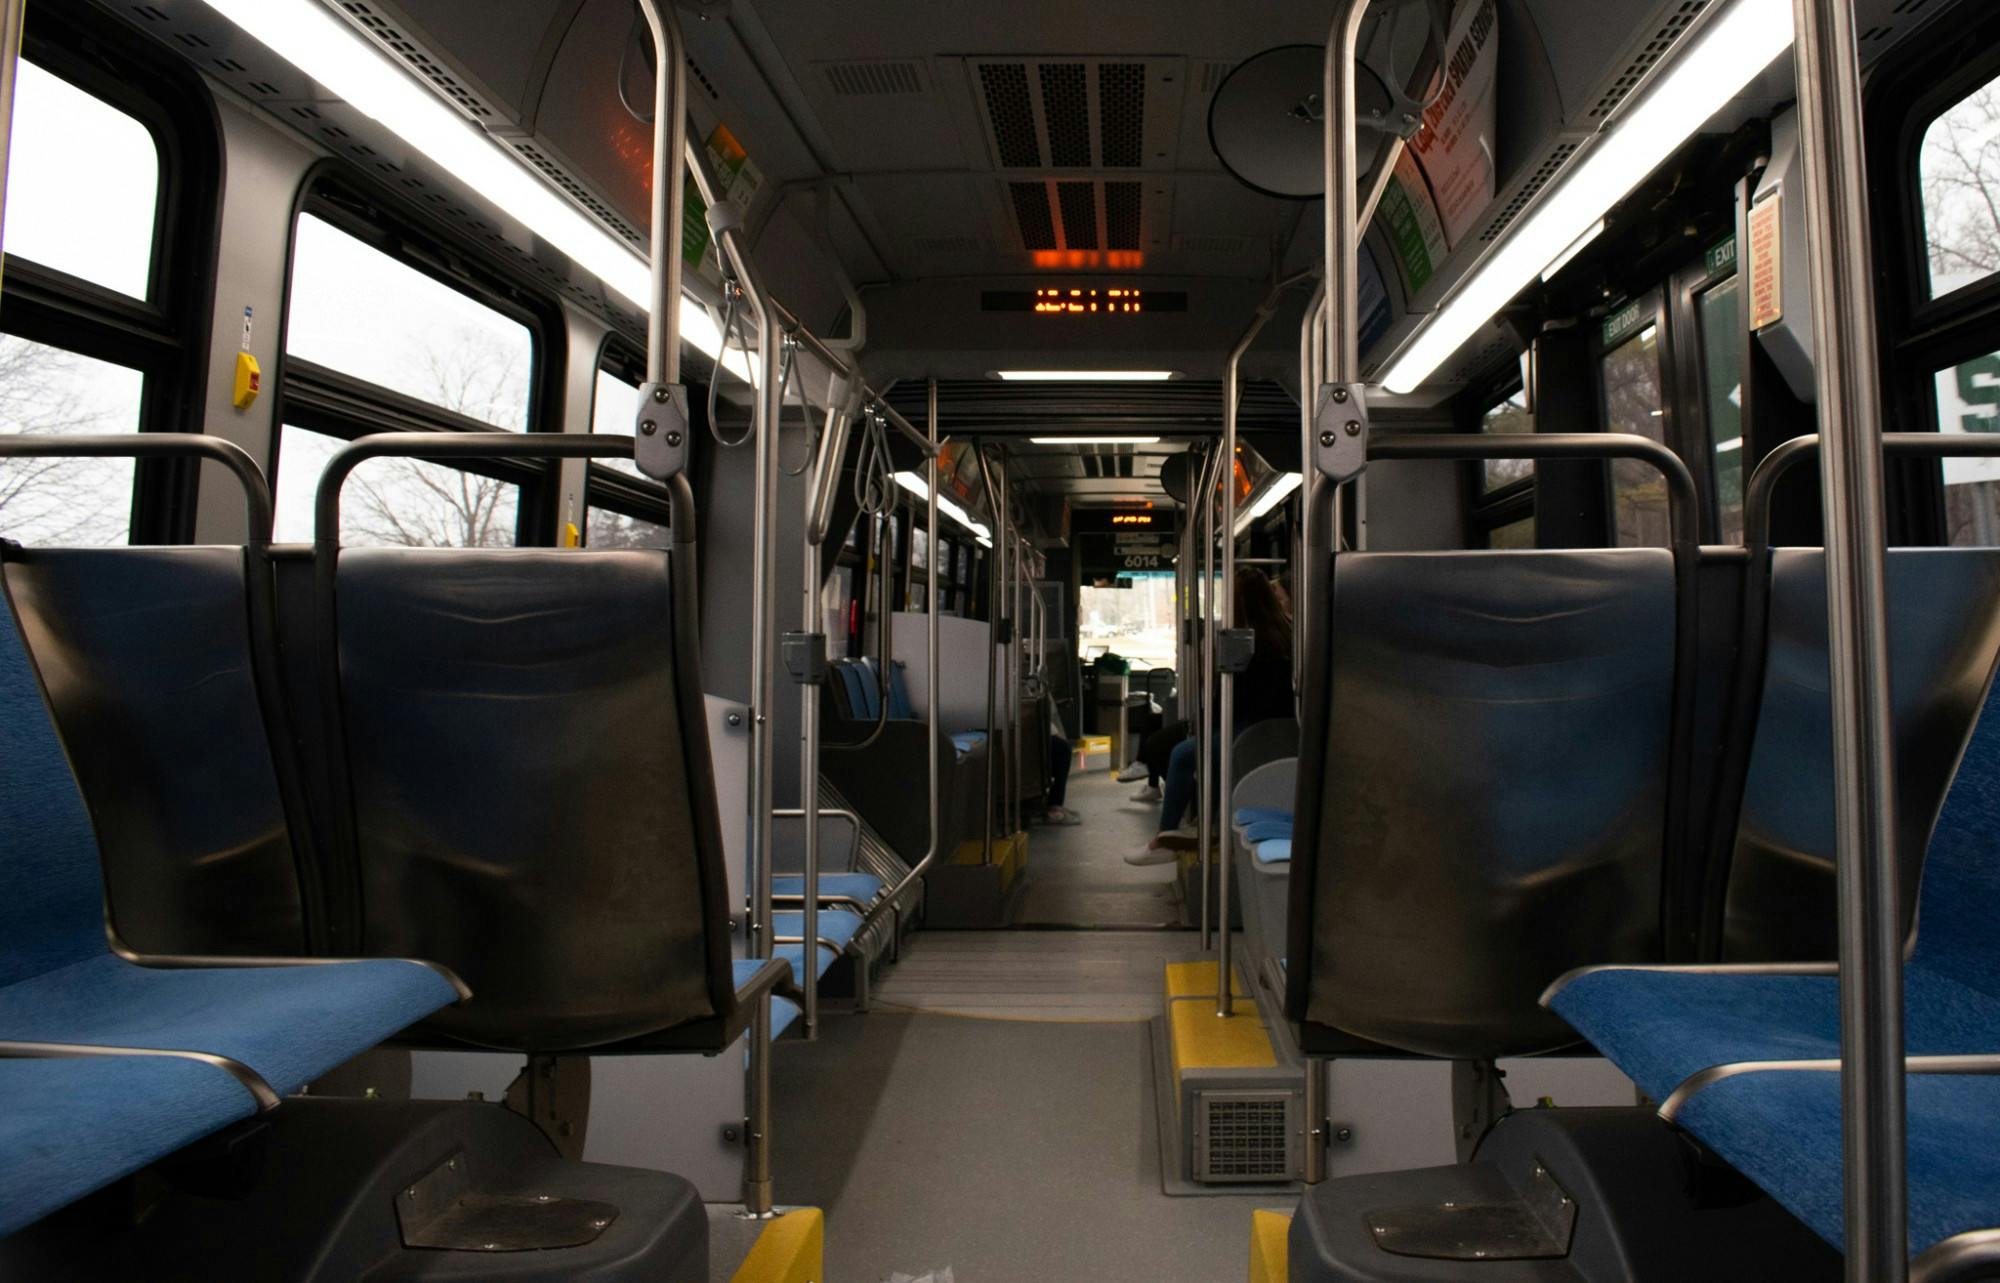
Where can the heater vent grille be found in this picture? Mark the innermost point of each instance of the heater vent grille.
(1551, 166)
(398, 42)
(1677, 22)
(1244, 1136)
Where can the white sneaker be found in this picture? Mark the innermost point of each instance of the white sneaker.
(1061, 815)
(1133, 772)
(1151, 793)
(1150, 854)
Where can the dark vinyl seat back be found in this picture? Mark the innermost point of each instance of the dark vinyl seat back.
(151, 672)
(1272, 740)
(531, 792)
(1491, 808)
(1944, 632)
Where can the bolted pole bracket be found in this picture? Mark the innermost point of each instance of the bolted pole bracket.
(804, 656)
(1340, 432)
(1234, 648)
(660, 434)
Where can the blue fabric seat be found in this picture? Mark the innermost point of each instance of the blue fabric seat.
(1273, 851)
(60, 982)
(1248, 815)
(72, 1125)
(837, 928)
(967, 741)
(1781, 1128)
(1267, 831)
(857, 886)
(783, 1011)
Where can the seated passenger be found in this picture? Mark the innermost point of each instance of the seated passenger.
(1263, 691)
(1060, 751)
(1151, 764)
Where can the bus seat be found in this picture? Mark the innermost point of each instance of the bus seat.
(1492, 806)
(864, 887)
(1271, 740)
(533, 803)
(74, 1124)
(62, 982)
(1275, 851)
(836, 932)
(1662, 1026)
(1944, 627)
(1262, 884)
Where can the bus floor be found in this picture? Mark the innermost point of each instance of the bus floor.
(995, 1114)
(1077, 875)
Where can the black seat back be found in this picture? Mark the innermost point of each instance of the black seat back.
(1490, 805)
(1944, 630)
(1271, 740)
(153, 675)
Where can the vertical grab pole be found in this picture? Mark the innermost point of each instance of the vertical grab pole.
(1204, 765)
(1302, 574)
(932, 610)
(992, 649)
(11, 14)
(1850, 425)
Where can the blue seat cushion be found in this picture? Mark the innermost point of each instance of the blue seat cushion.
(836, 926)
(1246, 815)
(1267, 830)
(1782, 1130)
(966, 741)
(72, 1125)
(289, 1024)
(1273, 851)
(1659, 1027)
(860, 886)
(783, 1010)
(900, 707)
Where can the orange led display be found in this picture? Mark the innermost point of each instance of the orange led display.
(1084, 300)
(1131, 519)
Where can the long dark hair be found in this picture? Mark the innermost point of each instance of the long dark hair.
(1259, 609)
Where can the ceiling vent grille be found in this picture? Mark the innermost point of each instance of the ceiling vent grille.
(1677, 22)
(1066, 110)
(1551, 165)
(546, 166)
(1011, 113)
(396, 41)
(1480, 360)
(1209, 74)
(1079, 214)
(1031, 211)
(1121, 113)
(1122, 205)
(873, 79)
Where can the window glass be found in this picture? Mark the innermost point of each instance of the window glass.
(834, 596)
(919, 549)
(1968, 400)
(615, 408)
(83, 184)
(395, 502)
(1721, 308)
(1632, 403)
(356, 310)
(1959, 168)
(1510, 415)
(610, 529)
(46, 391)
(1134, 615)
(1515, 534)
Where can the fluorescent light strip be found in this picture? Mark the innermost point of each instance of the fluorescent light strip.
(1273, 495)
(1576, 247)
(913, 483)
(1727, 56)
(355, 71)
(1085, 376)
(1093, 441)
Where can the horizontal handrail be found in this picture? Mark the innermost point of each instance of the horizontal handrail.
(1758, 493)
(159, 445)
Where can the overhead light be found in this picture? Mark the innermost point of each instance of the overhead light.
(1086, 376)
(1093, 441)
(913, 483)
(1576, 247)
(1726, 56)
(1273, 494)
(366, 79)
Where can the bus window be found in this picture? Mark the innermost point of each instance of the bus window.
(83, 200)
(393, 502)
(1515, 534)
(1720, 309)
(1508, 415)
(83, 185)
(1959, 167)
(1633, 403)
(614, 407)
(1968, 400)
(1134, 615)
(45, 390)
(617, 517)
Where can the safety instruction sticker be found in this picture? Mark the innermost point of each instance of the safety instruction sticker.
(1454, 147)
(1767, 292)
(740, 180)
(1410, 216)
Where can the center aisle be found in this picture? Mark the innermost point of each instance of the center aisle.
(1017, 1146)
(1077, 875)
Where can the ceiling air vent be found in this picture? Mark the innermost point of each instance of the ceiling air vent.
(1209, 74)
(1121, 114)
(547, 167)
(1066, 111)
(1031, 211)
(398, 42)
(1122, 205)
(1551, 166)
(1655, 49)
(1079, 214)
(873, 79)
(1011, 114)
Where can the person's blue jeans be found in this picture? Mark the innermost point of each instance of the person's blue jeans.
(1059, 763)
(1178, 794)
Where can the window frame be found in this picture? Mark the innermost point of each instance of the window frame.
(166, 335)
(1489, 510)
(333, 403)
(1684, 378)
(1652, 301)
(608, 488)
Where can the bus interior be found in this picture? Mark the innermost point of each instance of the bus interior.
(771, 641)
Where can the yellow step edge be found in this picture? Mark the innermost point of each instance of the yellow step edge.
(791, 1249)
(1197, 979)
(1200, 1039)
(1269, 1246)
